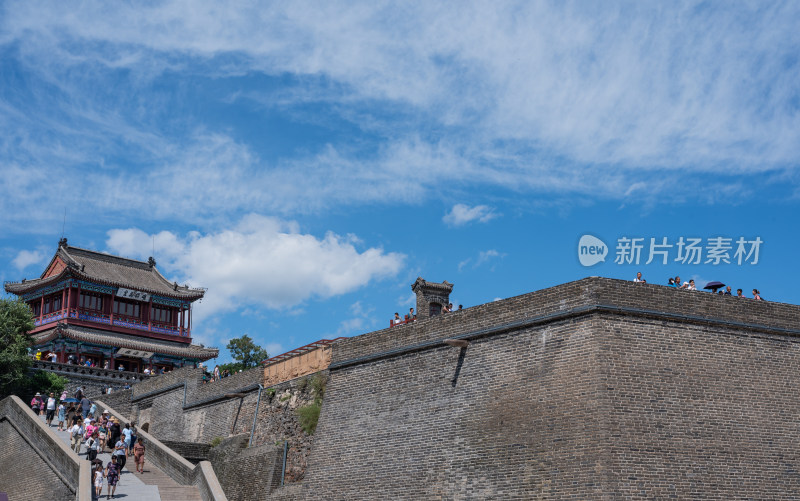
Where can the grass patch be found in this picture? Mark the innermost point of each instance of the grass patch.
(215, 441)
(318, 383)
(308, 416)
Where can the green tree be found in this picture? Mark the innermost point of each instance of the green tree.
(246, 353)
(43, 382)
(16, 320)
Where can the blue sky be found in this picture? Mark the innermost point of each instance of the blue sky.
(305, 162)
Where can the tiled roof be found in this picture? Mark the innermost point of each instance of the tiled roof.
(109, 270)
(96, 336)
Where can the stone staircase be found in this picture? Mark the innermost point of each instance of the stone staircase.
(152, 485)
(168, 488)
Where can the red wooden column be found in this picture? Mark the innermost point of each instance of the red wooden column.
(41, 309)
(63, 299)
(69, 296)
(150, 316)
(190, 319)
(111, 310)
(180, 319)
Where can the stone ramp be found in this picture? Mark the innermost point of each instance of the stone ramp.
(168, 488)
(152, 485)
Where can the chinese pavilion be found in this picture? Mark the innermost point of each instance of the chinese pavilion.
(110, 311)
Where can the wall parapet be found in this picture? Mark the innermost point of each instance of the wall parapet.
(107, 375)
(572, 298)
(74, 472)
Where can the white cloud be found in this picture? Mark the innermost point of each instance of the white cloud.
(261, 262)
(462, 214)
(27, 258)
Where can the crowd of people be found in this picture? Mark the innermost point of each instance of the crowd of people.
(79, 417)
(93, 363)
(690, 285)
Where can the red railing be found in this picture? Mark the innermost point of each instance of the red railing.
(98, 317)
(394, 323)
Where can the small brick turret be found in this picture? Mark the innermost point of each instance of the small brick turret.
(431, 297)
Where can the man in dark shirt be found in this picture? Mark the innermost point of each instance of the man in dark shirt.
(86, 404)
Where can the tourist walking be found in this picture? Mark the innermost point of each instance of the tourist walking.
(51, 408)
(138, 455)
(112, 475)
(113, 433)
(98, 479)
(127, 433)
(86, 404)
(62, 416)
(36, 403)
(75, 435)
(93, 446)
(119, 453)
(71, 414)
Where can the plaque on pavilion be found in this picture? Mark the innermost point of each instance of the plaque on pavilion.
(132, 294)
(129, 352)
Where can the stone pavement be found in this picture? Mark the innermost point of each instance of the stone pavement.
(152, 485)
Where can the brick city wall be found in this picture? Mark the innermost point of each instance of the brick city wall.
(593, 389)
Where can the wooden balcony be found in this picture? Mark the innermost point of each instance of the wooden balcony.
(96, 317)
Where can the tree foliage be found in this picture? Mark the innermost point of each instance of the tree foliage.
(43, 382)
(246, 353)
(16, 320)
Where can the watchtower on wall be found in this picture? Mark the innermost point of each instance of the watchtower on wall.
(431, 297)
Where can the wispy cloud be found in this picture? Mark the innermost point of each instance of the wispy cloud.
(462, 214)
(483, 258)
(608, 102)
(360, 319)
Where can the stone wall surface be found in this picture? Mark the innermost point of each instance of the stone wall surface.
(179, 409)
(250, 474)
(277, 422)
(24, 475)
(191, 451)
(596, 389)
(698, 412)
(521, 422)
(34, 463)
